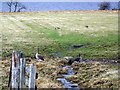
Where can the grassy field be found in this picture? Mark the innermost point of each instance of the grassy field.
(57, 32)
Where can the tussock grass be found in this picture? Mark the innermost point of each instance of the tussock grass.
(47, 73)
(87, 74)
(95, 75)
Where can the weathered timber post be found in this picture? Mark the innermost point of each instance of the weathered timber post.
(14, 73)
(18, 79)
(15, 78)
(22, 73)
(32, 77)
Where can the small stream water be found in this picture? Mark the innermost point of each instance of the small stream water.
(67, 84)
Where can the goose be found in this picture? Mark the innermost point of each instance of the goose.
(71, 61)
(86, 26)
(67, 57)
(78, 59)
(38, 56)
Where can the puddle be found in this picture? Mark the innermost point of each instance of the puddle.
(67, 84)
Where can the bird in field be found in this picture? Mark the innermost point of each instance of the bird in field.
(86, 26)
(38, 56)
(78, 58)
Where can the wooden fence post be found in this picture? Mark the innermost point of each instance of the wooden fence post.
(32, 77)
(22, 73)
(18, 80)
(15, 71)
(14, 78)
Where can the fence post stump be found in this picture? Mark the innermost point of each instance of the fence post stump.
(14, 78)
(22, 73)
(14, 73)
(32, 77)
(18, 79)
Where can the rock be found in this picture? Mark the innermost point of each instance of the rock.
(74, 85)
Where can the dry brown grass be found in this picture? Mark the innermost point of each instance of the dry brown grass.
(46, 70)
(95, 75)
(107, 11)
(88, 75)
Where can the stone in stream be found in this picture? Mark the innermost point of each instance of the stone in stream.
(74, 85)
(68, 84)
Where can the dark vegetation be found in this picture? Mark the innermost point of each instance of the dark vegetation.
(15, 6)
(104, 6)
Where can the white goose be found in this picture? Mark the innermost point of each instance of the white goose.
(38, 56)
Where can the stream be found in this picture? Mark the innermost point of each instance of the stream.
(67, 84)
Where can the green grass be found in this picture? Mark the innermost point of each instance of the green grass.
(27, 31)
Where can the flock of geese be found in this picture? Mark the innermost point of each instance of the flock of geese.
(40, 58)
(70, 60)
